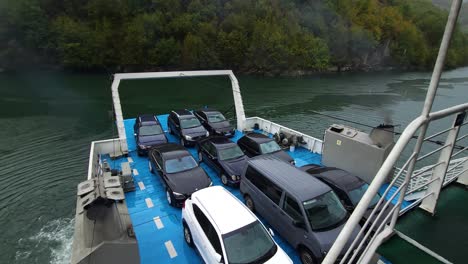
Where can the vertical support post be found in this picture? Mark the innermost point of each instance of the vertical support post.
(463, 177)
(430, 202)
(239, 105)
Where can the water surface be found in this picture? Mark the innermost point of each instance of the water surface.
(48, 120)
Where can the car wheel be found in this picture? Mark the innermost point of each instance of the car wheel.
(306, 256)
(170, 130)
(249, 203)
(182, 142)
(169, 197)
(150, 167)
(224, 179)
(188, 236)
(200, 157)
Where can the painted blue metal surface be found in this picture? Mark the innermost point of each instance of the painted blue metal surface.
(151, 240)
(148, 202)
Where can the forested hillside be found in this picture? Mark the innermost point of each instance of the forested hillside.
(250, 36)
(463, 18)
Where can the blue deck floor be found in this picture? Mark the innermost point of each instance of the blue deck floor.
(149, 191)
(148, 202)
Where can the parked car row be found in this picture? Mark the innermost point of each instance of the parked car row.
(307, 206)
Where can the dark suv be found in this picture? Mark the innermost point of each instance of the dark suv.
(179, 172)
(186, 126)
(215, 122)
(223, 156)
(148, 133)
(255, 144)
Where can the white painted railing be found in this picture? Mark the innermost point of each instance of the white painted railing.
(312, 144)
(102, 147)
(419, 183)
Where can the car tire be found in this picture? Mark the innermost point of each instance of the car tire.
(249, 203)
(150, 167)
(170, 197)
(182, 142)
(200, 156)
(170, 130)
(188, 236)
(224, 179)
(306, 256)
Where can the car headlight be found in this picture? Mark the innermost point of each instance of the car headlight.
(178, 195)
(207, 133)
(187, 137)
(233, 177)
(143, 146)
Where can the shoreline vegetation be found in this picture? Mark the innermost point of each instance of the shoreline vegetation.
(257, 37)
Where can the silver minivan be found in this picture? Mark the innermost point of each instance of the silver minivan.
(302, 209)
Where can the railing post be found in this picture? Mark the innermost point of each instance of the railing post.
(463, 177)
(429, 203)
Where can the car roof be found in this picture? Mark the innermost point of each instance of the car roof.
(209, 110)
(294, 181)
(221, 142)
(148, 118)
(339, 177)
(171, 150)
(258, 137)
(183, 112)
(224, 209)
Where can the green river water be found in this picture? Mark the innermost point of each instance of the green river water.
(47, 121)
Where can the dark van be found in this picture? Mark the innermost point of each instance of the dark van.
(302, 209)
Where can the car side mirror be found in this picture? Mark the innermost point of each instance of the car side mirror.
(218, 257)
(299, 223)
(271, 232)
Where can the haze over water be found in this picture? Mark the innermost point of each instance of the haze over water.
(48, 120)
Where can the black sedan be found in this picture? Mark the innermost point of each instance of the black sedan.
(215, 122)
(254, 144)
(148, 133)
(178, 171)
(224, 156)
(348, 187)
(186, 126)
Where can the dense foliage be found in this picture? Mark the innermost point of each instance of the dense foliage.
(255, 36)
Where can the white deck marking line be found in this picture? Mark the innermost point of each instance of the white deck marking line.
(170, 249)
(421, 247)
(141, 185)
(135, 172)
(149, 202)
(130, 159)
(158, 222)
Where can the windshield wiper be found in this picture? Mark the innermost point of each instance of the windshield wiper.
(266, 256)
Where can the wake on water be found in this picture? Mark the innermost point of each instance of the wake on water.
(55, 238)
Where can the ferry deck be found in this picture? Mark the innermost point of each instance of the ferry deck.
(157, 225)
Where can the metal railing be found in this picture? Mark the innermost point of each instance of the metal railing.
(311, 143)
(371, 236)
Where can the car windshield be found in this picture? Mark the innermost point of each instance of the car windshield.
(230, 153)
(180, 164)
(216, 117)
(325, 211)
(150, 130)
(189, 122)
(357, 194)
(249, 244)
(269, 147)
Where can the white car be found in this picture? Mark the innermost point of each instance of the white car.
(225, 231)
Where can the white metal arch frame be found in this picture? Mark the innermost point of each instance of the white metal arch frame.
(240, 114)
